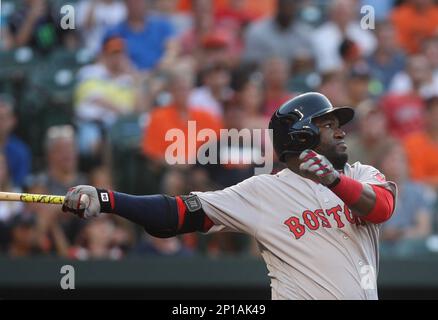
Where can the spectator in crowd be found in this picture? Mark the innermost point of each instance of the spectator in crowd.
(175, 181)
(49, 235)
(235, 13)
(215, 49)
(169, 247)
(414, 21)
(215, 89)
(207, 42)
(430, 50)
(387, 59)
(358, 82)
(382, 8)
(332, 85)
(366, 142)
(305, 78)
(235, 161)
(8, 210)
(95, 17)
(62, 171)
(176, 116)
(419, 77)
(123, 236)
(95, 241)
(106, 90)
(255, 9)
(147, 37)
(343, 24)
(23, 236)
(168, 9)
(34, 24)
(5, 35)
(240, 12)
(62, 160)
(422, 147)
(17, 153)
(101, 177)
(249, 95)
(404, 107)
(275, 74)
(350, 54)
(412, 219)
(280, 35)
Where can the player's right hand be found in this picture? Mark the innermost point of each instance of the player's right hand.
(82, 201)
(317, 168)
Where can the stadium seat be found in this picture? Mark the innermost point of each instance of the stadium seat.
(16, 64)
(132, 171)
(48, 101)
(53, 84)
(68, 58)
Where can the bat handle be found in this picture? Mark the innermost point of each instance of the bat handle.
(47, 199)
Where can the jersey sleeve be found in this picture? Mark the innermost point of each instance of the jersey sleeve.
(234, 209)
(369, 174)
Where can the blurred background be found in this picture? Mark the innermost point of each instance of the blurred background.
(86, 98)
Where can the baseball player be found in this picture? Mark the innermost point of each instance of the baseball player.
(316, 222)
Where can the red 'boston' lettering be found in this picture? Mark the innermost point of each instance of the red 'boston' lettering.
(295, 227)
(310, 220)
(349, 215)
(335, 212)
(324, 221)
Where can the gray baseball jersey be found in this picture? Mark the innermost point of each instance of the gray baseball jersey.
(313, 245)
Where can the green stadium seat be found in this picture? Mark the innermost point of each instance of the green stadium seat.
(54, 85)
(68, 58)
(132, 171)
(15, 67)
(16, 64)
(126, 133)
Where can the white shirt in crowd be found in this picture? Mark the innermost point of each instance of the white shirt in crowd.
(106, 14)
(327, 39)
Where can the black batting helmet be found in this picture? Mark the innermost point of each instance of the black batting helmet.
(293, 130)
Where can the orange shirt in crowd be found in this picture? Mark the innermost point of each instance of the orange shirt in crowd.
(422, 154)
(254, 8)
(166, 118)
(413, 27)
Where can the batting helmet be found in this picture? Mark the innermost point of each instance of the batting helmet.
(293, 130)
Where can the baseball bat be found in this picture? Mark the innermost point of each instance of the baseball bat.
(29, 197)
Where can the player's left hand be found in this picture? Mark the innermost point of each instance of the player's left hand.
(317, 168)
(82, 201)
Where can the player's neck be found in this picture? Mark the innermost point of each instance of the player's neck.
(293, 164)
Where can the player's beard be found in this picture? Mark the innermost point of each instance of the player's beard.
(338, 160)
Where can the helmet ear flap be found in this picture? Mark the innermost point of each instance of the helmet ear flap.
(304, 138)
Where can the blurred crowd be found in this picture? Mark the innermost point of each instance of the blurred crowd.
(91, 103)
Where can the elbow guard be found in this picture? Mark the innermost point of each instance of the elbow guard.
(162, 216)
(190, 216)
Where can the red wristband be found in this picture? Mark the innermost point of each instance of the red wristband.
(384, 207)
(348, 190)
